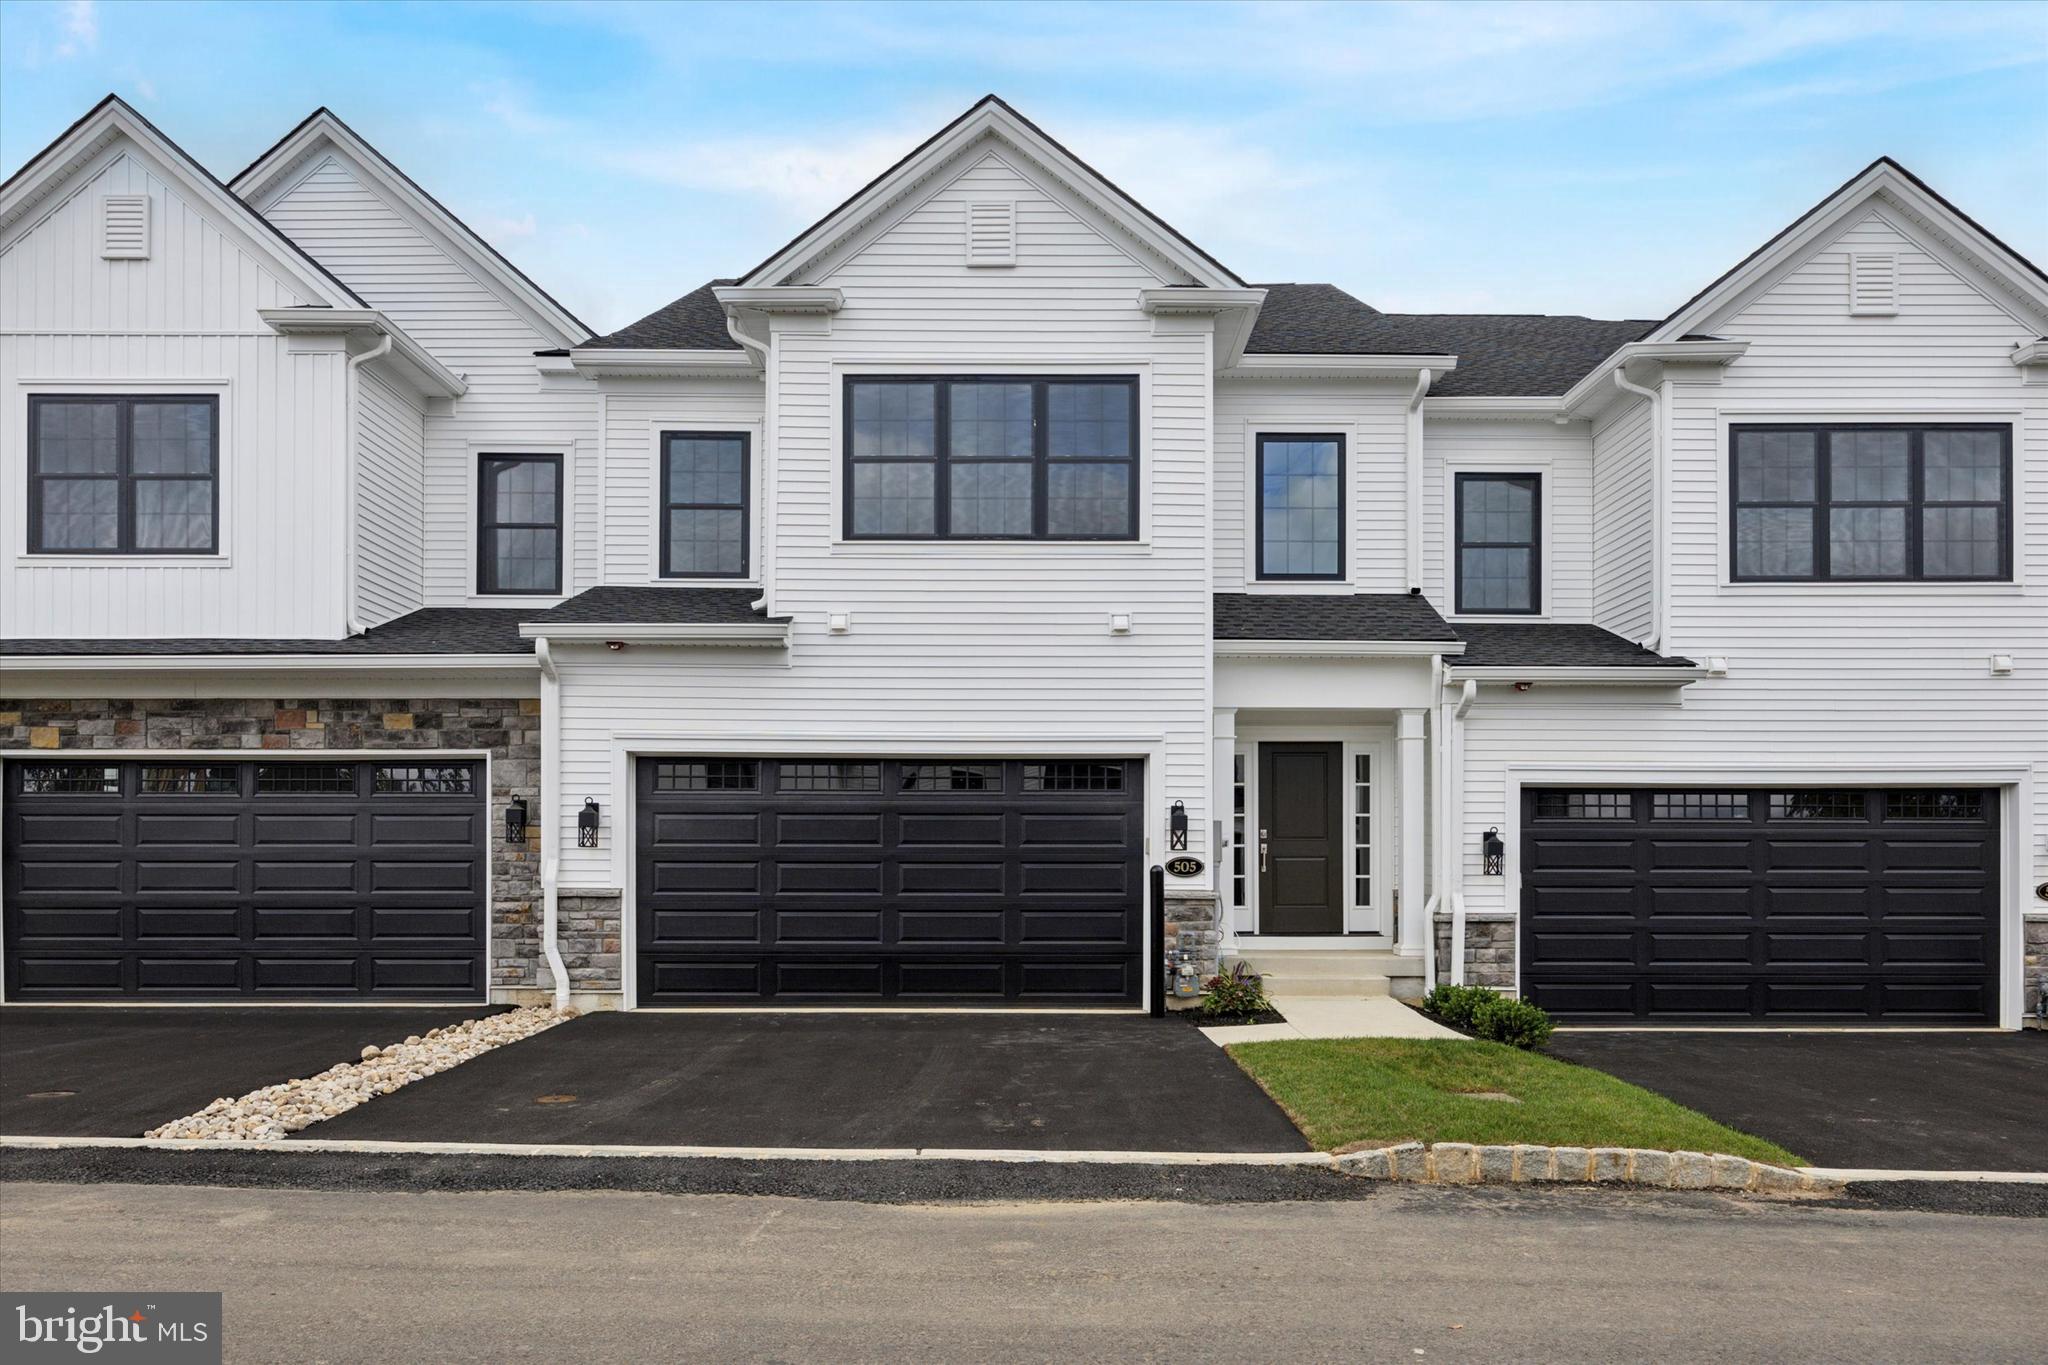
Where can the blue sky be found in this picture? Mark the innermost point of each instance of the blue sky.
(1607, 159)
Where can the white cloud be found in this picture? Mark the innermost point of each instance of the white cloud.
(499, 228)
(81, 28)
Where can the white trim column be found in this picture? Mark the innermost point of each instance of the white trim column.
(1408, 742)
(1222, 763)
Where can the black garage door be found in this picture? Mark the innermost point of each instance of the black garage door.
(1829, 904)
(914, 880)
(279, 880)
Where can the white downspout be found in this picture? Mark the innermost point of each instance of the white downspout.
(1455, 793)
(1436, 760)
(1658, 513)
(351, 609)
(1422, 382)
(550, 832)
(759, 348)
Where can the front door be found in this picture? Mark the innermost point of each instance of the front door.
(1301, 839)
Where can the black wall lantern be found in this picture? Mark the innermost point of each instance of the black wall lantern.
(586, 824)
(1177, 826)
(1494, 850)
(515, 821)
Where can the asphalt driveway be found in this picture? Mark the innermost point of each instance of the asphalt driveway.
(1902, 1101)
(1037, 1081)
(116, 1071)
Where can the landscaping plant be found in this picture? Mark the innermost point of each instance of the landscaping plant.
(1455, 1005)
(1517, 1023)
(1236, 991)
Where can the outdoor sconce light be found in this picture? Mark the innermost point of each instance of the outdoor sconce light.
(586, 824)
(1494, 850)
(1177, 826)
(515, 821)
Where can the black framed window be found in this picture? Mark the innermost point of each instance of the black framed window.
(519, 525)
(1300, 506)
(1007, 457)
(1500, 544)
(705, 504)
(1871, 503)
(133, 474)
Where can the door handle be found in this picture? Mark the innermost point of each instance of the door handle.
(1262, 850)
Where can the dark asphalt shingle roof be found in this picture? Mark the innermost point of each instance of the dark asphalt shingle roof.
(1351, 616)
(1555, 645)
(431, 630)
(622, 604)
(1499, 354)
(694, 322)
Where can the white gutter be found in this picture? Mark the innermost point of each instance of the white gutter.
(1423, 379)
(1657, 675)
(1658, 512)
(759, 350)
(258, 663)
(550, 831)
(1336, 649)
(350, 606)
(735, 635)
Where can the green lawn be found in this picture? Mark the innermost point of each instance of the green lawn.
(1367, 1092)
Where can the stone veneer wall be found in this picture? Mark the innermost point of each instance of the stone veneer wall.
(1489, 952)
(1194, 922)
(2036, 984)
(509, 728)
(587, 927)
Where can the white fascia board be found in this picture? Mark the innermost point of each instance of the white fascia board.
(1267, 366)
(415, 366)
(765, 634)
(1236, 312)
(2033, 353)
(1489, 408)
(1336, 649)
(1589, 677)
(256, 663)
(623, 363)
(1597, 388)
(801, 299)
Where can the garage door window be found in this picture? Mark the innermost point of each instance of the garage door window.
(724, 775)
(1073, 777)
(1699, 806)
(306, 779)
(68, 779)
(1818, 805)
(952, 777)
(830, 777)
(1582, 805)
(1935, 805)
(430, 779)
(165, 780)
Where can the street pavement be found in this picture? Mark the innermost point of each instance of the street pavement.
(1408, 1274)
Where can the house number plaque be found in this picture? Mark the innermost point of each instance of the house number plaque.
(1184, 866)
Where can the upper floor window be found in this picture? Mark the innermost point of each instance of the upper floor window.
(999, 458)
(124, 475)
(519, 525)
(1301, 507)
(704, 504)
(1868, 503)
(1500, 544)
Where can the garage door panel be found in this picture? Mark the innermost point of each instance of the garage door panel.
(274, 887)
(1828, 909)
(886, 892)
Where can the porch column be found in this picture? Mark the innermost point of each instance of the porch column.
(1413, 931)
(1223, 760)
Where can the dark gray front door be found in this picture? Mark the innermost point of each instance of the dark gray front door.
(197, 879)
(915, 880)
(1301, 839)
(1820, 904)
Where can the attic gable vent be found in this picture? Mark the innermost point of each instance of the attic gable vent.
(1873, 283)
(992, 233)
(124, 227)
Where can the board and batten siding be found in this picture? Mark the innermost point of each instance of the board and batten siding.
(1873, 674)
(1562, 455)
(182, 320)
(973, 646)
(414, 274)
(1373, 419)
(390, 501)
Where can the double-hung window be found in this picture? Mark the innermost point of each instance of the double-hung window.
(124, 475)
(704, 504)
(1301, 507)
(1871, 503)
(519, 525)
(1500, 544)
(992, 458)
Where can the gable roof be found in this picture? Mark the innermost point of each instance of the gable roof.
(1882, 177)
(694, 322)
(323, 127)
(44, 174)
(991, 114)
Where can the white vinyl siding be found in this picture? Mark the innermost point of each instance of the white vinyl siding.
(1562, 456)
(1623, 540)
(390, 496)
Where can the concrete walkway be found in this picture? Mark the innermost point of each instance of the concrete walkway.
(1371, 1016)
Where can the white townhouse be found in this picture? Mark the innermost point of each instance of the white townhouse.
(865, 627)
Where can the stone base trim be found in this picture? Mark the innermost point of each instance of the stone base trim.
(1463, 1163)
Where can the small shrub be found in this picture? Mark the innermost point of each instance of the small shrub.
(1514, 1022)
(1239, 990)
(1455, 1005)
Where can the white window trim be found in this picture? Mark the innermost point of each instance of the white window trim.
(1367, 922)
(472, 477)
(1821, 413)
(16, 469)
(754, 429)
(1022, 549)
(1350, 495)
(1543, 467)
